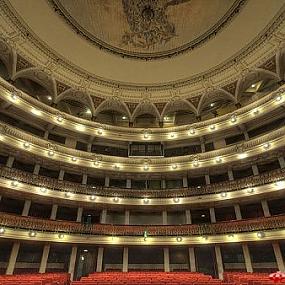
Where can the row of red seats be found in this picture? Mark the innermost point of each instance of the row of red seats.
(245, 278)
(36, 279)
(148, 278)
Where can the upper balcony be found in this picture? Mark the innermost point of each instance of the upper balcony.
(217, 109)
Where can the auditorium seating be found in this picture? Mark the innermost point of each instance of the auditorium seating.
(148, 278)
(174, 278)
(36, 279)
(139, 278)
(244, 278)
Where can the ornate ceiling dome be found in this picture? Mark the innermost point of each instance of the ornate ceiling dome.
(142, 50)
(149, 28)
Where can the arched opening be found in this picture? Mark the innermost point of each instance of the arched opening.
(34, 89)
(217, 108)
(255, 87)
(4, 73)
(112, 117)
(179, 118)
(75, 108)
(146, 121)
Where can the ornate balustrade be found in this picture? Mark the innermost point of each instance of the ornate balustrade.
(14, 139)
(229, 227)
(50, 114)
(65, 186)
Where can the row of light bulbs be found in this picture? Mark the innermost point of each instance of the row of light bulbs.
(278, 184)
(146, 166)
(33, 233)
(146, 135)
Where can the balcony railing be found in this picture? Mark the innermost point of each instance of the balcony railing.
(55, 184)
(234, 226)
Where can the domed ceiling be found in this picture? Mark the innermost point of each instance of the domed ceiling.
(147, 28)
(143, 50)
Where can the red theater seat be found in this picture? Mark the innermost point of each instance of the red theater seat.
(147, 278)
(36, 279)
(173, 278)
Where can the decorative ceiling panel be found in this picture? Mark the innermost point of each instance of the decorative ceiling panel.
(147, 29)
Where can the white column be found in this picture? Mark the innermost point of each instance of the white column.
(163, 184)
(84, 179)
(61, 175)
(46, 135)
(107, 181)
(44, 259)
(166, 259)
(13, 258)
(72, 262)
(192, 259)
(185, 182)
(247, 258)
(100, 259)
(188, 217)
(237, 212)
(281, 161)
(79, 214)
(36, 169)
(231, 175)
(246, 136)
(203, 149)
(278, 256)
(129, 184)
(26, 208)
(212, 215)
(103, 216)
(164, 217)
(207, 178)
(255, 170)
(53, 212)
(219, 262)
(127, 217)
(125, 259)
(89, 147)
(265, 208)
(10, 161)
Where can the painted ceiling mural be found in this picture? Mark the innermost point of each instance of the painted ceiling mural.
(147, 29)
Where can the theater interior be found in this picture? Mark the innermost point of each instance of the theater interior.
(142, 142)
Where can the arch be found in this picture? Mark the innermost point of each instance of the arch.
(40, 77)
(76, 95)
(113, 105)
(7, 58)
(178, 105)
(146, 108)
(214, 96)
(252, 77)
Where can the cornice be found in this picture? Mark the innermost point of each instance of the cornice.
(31, 48)
(51, 115)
